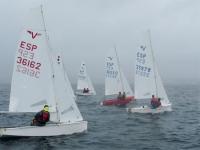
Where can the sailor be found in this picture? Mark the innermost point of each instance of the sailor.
(87, 90)
(123, 95)
(41, 117)
(84, 90)
(119, 95)
(155, 102)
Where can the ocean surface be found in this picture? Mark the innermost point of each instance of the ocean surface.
(112, 128)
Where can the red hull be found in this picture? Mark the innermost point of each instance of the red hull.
(118, 102)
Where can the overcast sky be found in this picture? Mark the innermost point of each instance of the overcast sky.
(84, 30)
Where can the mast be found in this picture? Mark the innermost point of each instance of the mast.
(51, 62)
(120, 75)
(154, 67)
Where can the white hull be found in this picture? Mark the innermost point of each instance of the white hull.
(147, 109)
(84, 94)
(48, 130)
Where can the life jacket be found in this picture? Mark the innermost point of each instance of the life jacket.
(155, 103)
(45, 116)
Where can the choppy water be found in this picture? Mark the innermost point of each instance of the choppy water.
(112, 128)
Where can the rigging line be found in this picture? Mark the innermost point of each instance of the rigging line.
(120, 75)
(154, 67)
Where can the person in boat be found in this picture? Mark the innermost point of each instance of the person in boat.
(42, 117)
(123, 95)
(119, 95)
(87, 90)
(84, 90)
(155, 102)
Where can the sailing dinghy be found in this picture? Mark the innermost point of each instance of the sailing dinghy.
(39, 78)
(84, 84)
(115, 81)
(148, 81)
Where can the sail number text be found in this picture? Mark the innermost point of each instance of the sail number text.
(28, 46)
(26, 60)
(110, 72)
(141, 69)
(28, 63)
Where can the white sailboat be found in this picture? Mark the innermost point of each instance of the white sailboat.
(39, 78)
(115, 80)
(148, 81)
(84, 82)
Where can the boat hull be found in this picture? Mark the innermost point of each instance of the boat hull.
(48, 130)
(147, 109)
(117, 102)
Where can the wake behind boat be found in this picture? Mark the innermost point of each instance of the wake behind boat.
(115, 82)
(39, 78)
(146, 109)
(148, 82)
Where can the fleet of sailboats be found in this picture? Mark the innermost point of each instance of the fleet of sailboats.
(40, 78)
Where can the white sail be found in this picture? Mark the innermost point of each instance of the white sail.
(67, 108)
(32, 84)
(91, 87)
(161, 90)
(39, 78)
(127, 87)
(84, 80)
(69, 83)
(147, 78)
(115, 80)
(67, 79)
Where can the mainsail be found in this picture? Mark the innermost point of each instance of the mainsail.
(32, 80)
(115, 80)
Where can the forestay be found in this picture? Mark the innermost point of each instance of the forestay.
(115, 80)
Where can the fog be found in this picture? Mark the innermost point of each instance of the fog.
(86, 30)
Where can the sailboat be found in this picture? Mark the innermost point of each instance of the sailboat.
(39, 78)
(115, 81)
(84, 84)
(147, 80)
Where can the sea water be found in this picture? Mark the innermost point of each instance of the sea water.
(112, 128)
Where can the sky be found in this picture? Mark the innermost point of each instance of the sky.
(84, 30)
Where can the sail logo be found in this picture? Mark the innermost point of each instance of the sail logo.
(33, 35)
(143, 47)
